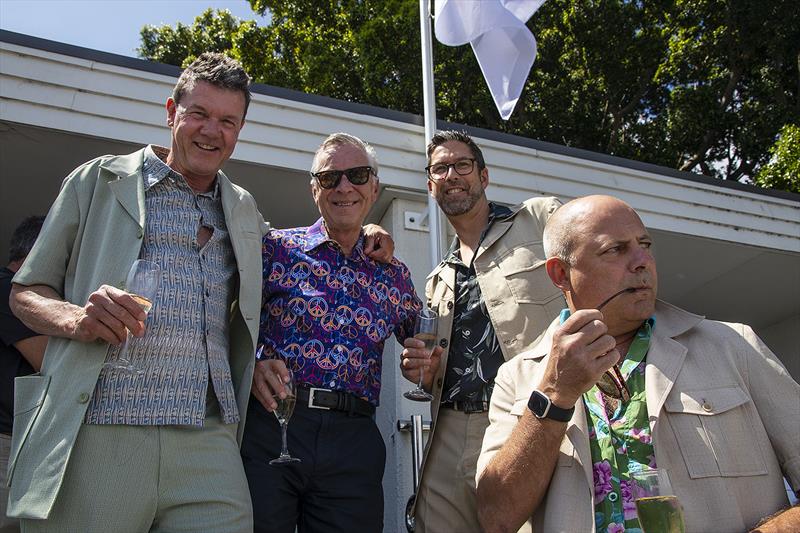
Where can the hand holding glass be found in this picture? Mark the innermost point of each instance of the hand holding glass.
(283, 413)
(425, 329)
(657, 507)
(142, 285)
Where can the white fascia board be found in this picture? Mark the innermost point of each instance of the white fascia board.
(91, 98)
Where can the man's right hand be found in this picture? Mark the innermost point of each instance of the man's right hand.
(581, 352)
(108, 315)
(268, 380)
(414, 357)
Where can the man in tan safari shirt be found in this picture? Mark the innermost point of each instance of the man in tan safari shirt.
(492, 286)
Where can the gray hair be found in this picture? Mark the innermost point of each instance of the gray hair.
(217, 69)
(340, 139)
(443, 136)
(558, 237)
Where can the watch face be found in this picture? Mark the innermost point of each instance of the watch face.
(538, 404)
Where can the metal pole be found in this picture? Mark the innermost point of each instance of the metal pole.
(416, 447)
(429, 104)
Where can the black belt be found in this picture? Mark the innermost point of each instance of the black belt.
(333, 400)
(467, 406)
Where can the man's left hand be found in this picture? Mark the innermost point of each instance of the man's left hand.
(378, 244)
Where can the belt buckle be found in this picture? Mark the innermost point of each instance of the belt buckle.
(311, 392)
(473, 407)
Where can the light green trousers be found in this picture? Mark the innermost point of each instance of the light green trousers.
(136, 479)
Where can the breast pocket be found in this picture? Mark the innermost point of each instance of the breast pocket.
(714, 429)
(523, 269)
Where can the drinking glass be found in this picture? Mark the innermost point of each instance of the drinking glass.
(657, 507)
(425, 329)
(142, 285)
(283, 413)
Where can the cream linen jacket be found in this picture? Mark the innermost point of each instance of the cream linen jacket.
(724, 416)
(519, 296)
(92, 235)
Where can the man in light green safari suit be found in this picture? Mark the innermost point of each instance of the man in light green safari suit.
(67, 474)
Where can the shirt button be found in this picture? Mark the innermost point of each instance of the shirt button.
(449, 305)
(443, 343)
(707, 407)
(612, 497)
(83, 397)
(439, 382)
(140, 233)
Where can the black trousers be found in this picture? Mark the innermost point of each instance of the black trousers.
(336, 487)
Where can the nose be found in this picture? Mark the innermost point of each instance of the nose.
(642, 259)
(344, 184)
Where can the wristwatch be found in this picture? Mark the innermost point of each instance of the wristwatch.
(541, 407)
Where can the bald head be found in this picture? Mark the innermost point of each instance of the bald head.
(596, 247)
(571, 222)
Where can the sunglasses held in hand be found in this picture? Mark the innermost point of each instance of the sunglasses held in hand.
(329, 179)
(612, 383)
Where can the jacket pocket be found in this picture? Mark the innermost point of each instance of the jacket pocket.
(523, 268)
(714, 430)
(29, 394)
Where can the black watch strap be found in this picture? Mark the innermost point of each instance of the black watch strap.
(541, 407)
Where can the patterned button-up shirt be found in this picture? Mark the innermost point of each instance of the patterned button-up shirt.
(475, 353)
(328, 315)
(186, 333)
(620, 441)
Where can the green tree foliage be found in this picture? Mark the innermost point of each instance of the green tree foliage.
(697, 85)
(783, 170)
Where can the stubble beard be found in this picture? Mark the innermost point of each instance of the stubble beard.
(459, 206)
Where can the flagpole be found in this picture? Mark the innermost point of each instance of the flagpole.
(429, 106)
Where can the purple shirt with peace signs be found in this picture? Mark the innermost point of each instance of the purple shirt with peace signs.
(328, 315)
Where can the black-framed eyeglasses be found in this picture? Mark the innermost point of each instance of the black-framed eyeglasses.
(328, 179)
(438, 171)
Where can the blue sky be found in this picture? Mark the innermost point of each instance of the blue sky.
(107, 25)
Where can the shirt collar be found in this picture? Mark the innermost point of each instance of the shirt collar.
(565, 313)
(496, 212)
(317, 235)
(154, 169)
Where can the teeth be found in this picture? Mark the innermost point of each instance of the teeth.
(206, 146)
(343, 204)
(455, 190)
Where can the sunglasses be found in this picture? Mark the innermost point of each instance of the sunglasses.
(328, 179)
(612, 383)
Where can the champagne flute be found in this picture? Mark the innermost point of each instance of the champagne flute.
(657, 507)
(425, 329)
(283, 413)
(142, 285)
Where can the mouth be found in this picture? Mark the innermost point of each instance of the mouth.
(206, 147)
(455, 190)
(344, 204)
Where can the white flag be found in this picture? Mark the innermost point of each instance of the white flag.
(503, 45)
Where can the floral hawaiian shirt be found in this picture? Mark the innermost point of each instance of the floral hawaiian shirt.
(620, 442)
(328, 315)
(475, 353)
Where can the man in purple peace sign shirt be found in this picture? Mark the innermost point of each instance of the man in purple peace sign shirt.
(327, 309)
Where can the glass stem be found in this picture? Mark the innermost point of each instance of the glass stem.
(284, 446)
(123, 352)
(421, 373)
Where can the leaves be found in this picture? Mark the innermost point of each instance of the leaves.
(698, 85)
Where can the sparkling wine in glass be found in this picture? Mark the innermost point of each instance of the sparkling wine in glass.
(283, 413)
(142, 285)
(425, 329)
